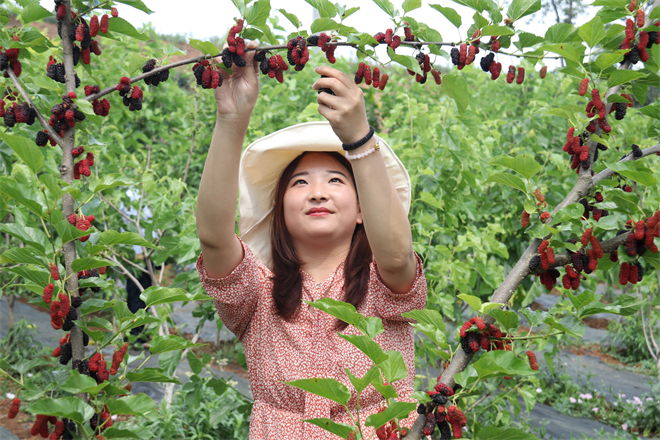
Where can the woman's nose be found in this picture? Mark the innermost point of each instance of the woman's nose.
(317, 192)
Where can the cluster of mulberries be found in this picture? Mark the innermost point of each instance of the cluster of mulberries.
(456, 419)
(19, 113)
(590, 209)
(472, 341)
(101, 106)
(9, 59)
(15, 406)
(82, 222)
(489, 65)
(83, 167)
(100, 421)
(97, 367)
(389, 431)
(297, 53)
(322, 41)
(546, 255)
(571, 279)
(235, 49)
(596, 107)
(156, 78)
(463, 55)
(65, 115)
(57, 352)
(93, 273)
(643, 235)
(439, 417)
(371, 78)
(40, 426)
(118, 358)
(208, 76)
(645, 40)
(630, 273)
(392, 40)
(274, 67)
(42, 138)
(132, 97)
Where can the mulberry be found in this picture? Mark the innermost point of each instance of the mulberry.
(511, 74)
(114, 12)
(429, 426)
(118, 358)
(455, 56)
(583, 86)
(48, 293)
(457, 420)
(631, 245)
(586, 237)
(486, 61)
(385, 77)
(42, 138)
(534, 263)
(632, 274)
(534, 365)
(445, 430)
(640, 18)
(54, 272)
(551, 256)
(59, 430)
(637, 152)
(495, 69)
(521, 75)
(67, 353)
(543, 71)
(13, 410)
(576, 258)
(595, 245)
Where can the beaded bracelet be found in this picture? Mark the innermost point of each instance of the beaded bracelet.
(364, 140)
(365, 154)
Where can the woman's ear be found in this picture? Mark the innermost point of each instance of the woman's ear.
(359, 216)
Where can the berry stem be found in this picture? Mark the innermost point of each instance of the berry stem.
(12, 378)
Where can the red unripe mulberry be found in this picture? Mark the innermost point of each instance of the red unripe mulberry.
(367, 74)
(429, 426)
(521, 75)
(376, 77)
(495, 46)
(584, 152)
(545, 264)
(59, 430)
(114, 12)
(48, 293)
(575, 283)
(632, 5)
(13, 410)
(525, 219)
(104, 24)
(586, 236)
(495, 69)
(595, 97)
(383, 81)
(640, 18)
(639, 230)
(544, 216)
(543, 246)
(583, 86)
(595, 244)
(54, 272)
(551, 256)
(543, 71)
(534, 365)
(511, 74)
(566, 281)
(80, 32)
(633, 274)
(481, 325)
(94, 26)
(462, 53)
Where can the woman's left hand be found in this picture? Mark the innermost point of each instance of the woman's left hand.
(344, 110)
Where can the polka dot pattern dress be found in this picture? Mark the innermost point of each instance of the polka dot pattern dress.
(277, 351)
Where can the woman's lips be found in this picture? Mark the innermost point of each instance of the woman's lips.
(318, 213)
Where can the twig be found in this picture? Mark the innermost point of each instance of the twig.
(44, 123)
(478, 401)
(117, 209)
(129, 262)
(161, 235)
(127, 273)
(192, 141)
(646, 337)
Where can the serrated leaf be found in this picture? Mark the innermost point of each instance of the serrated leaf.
(487, 31)
(592, 32)
(89, 263)
(429, 198)
(69, 407)
(449, 13)
(343, 311)
(619, 77)
(26, 150)
(394, 368)
(68, 232)
(34, 12)
(406, 61)
(361, 383)
(325, 7)
(493, 433)
(456, 88)
(395, 410)
(472, 301)
(140, 405)
(520, 8)
(291, 17)
(26, 255)
(508, 179)
(111, 237)
(367, 346)
(329, 388)
(386, 6)
(32, 236)
(162, 344)
(560, 33)
(121, 26)
(150, 375)
(522, 164)
(324, 24)
(258, 13)
(526, 39)
(572, 211)
(507, 318)
(341, 429)
(137, 4)
(652, 111)
(410, 5)
(156, 295)
(111, 181)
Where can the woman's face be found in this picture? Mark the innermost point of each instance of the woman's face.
(320, 201)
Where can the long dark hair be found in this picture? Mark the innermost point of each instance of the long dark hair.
(287, 279)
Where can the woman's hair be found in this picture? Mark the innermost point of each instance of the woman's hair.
(287, 278)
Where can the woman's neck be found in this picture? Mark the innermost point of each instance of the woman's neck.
(319, 262)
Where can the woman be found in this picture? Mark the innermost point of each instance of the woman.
(313, 225)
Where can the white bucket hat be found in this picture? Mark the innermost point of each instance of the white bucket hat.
(262, 164)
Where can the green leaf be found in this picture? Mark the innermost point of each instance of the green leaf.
(31, 236)
(652, 111)
(329, 388)
(140, 405)
(521, 8)
(566, 50)
(343, 311)
(608, 59)
(628, 169)
(162, 344)
(26, 150)
(367, 346)
(501, 363)
(572, 211)
(522, 164)
(496, 30)
(171, 49)
(79, 383)
(386, 6)
(568, 324)
(507, 318)
(26, 255)
(511, 180)
(169, 361)
(291, 17)
(395, 410)
(406, 61)
(450, 14)
(624, 305)
(240, 5)
(326, 8)
(137, 4)
(473, 301)
(89, 263)
(592, 32)
(53, 185)
(492, 433)
(117, 431)
(427, 316)
(121, 26)
(205, 47)
(195, 363)
(429, 198)
(341, 429)
(456, 87)
(371, 326)
(324, 24)
(394, 368)
(258, 13)
(111, 237)
(156, 295)
(68, 232)
(526, 39)
(653, 259)
(22, 195)
(150, 375)
(69, 407)
(361, 383)
(94, 305)
(410, 5)
(111, 181)
(34, 12)
(560, 33)
(619, 77)
(485, 307)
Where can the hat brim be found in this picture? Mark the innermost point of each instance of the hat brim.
(262, 164)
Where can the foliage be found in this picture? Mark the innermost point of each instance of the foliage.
(627, 341)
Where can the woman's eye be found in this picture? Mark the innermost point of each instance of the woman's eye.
(299, 181)
(336, 179)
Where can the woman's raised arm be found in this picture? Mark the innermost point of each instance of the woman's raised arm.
(218, 190)
(385, 220)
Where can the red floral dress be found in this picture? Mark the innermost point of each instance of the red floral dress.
(277, 351)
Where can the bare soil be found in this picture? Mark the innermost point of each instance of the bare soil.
(21, 425)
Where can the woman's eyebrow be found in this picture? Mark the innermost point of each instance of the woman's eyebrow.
(305, 173)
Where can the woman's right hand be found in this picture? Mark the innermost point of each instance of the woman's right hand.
(239, 91)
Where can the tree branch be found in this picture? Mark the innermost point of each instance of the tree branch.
(44, 123)
(192, 142)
